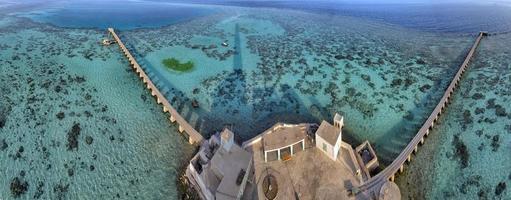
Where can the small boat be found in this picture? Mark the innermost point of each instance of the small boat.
(225, 44)
(195, 103)
(107, 42)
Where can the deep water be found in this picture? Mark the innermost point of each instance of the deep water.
(76, 122)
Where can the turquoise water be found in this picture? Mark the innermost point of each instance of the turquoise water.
(467, 155)
(293, 66)
(60, 86)
(280, 65)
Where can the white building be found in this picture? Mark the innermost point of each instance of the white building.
(329, 138)
(221, 168)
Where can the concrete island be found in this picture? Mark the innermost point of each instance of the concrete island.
(305, 161)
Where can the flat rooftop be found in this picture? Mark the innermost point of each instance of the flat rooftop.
(283, 136)
(310, 174)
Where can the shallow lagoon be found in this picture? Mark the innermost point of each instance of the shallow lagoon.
(76, 123)
(307, 69)
(280, 65)
(467, 154)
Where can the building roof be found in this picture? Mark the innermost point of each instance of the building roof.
(328, 132)
(283, 136)
(229, 164)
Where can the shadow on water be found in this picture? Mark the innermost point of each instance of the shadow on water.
(176, 97)
(247, 111)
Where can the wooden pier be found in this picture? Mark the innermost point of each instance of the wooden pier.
(371, 188)
(184, 126)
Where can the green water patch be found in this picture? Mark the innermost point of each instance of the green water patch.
(175, 64)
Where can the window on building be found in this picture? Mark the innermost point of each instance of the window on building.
(324, 147)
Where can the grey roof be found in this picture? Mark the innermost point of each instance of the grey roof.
(328, 132)
(229, 163)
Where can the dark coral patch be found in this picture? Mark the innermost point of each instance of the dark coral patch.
(61, 115)
(461, 151)
(18, 187)
(89, 140)
(477, 96)
(495, 142)
(500, 111)
(72, 137)
(500, 188)
(424, 88)
(3, 145)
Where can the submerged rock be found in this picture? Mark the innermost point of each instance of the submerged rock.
(461, 151)
(467, 118)
(479, 111)
(500, 111)
(72, 137)
(495, 142)
(500, 188)
(70, 172)
(3, 116)
(60, 115)
(89, 140)
(477, 96)
(424, 88)
(40, 190)
(3, 145)
(18, 187)
(60, 190)
(396, 82)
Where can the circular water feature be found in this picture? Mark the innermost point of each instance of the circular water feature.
(270, 186)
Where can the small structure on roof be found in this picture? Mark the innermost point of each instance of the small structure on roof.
(221, 168)
(329, 137)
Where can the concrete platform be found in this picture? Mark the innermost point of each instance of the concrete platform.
(310, 174)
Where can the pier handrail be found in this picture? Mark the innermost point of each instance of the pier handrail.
(194, 135)
(378, 180)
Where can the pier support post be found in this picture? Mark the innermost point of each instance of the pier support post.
(190, 140)
(181, 129)
(172, 119)
(165, 109)
(392, 178)
(401, 169)
(158, 100)
(409, 158)
(422, 140)
(415, 149)
(427, 132)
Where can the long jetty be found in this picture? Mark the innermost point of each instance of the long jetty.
(184, 127)
(371, 188)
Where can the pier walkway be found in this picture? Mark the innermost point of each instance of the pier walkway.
(192, 134)
(371, 188)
